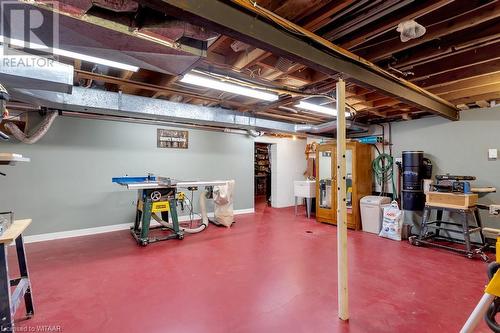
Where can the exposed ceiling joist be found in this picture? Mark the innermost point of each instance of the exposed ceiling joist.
(457, 74)
(463, 21)
(383, 8)
(487, 89)
(407, 13)
(458, 60)
(322, 16)
(467, 83)
(461, 41)
(473, 99)
(243, 26)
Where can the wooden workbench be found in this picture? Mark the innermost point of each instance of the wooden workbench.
(16, 229)
(10, 299)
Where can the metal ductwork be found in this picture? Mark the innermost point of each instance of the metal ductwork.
(331, 126)
(20, 70)
(105, 103)
(118, 37)
(100, 102)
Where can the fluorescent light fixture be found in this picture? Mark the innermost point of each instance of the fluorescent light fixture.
(204, 81)
(69, 54)
(319, 108)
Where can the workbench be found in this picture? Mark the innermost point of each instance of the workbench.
(464, 228)
(10, 300)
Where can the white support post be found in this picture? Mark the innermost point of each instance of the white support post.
(341, 204)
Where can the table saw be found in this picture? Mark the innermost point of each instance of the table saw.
(161, 195)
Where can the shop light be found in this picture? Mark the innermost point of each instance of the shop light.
(69, 54)
(207, 82)
(319, 108)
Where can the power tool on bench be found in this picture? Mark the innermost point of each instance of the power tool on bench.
(453, 183)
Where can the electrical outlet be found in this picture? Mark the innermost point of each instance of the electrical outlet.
(494, 209)
(492, 153)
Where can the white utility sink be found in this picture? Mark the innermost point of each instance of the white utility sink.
(304, 188)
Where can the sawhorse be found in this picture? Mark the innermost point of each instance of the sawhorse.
(10, 300)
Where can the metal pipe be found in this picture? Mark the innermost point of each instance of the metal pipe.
(477, 314)
(331, 126)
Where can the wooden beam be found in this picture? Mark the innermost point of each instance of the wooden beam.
(458, 74)
(483, 104)
(240, 23)
(312, 22)
(466, 83)
(318, 19)
(465, 20)
(461, 41)
(473, 99)
(410, 12)
(458, 60)
(343, 293)
(245, 59)
(291, 10)
(491, 88)
(368, 15)
(377, 113)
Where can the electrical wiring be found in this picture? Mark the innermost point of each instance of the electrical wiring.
(192, 214)
(331, 48)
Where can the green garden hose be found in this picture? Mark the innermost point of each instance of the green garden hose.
(383, 168)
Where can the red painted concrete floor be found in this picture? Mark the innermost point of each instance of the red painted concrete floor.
(266, 274)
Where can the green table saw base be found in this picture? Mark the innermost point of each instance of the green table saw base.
(141, 229)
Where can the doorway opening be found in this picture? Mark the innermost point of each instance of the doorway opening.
(262, 173)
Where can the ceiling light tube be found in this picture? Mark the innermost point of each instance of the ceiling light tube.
(319, 108)
(228, 87)
(69, 54)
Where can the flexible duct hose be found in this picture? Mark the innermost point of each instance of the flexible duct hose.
(494, 307)
(204, 217)
(38, 134)
(383, 168)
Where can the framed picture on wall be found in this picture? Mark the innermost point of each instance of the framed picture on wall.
(172, 139)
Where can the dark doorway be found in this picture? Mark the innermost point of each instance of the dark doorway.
(262, 172)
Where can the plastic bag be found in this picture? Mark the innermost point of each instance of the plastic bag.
(392, 222)
(410, 30)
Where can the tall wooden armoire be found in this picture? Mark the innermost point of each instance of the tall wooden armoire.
(358, 181)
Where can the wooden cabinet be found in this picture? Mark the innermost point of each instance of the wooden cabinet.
(359, 181)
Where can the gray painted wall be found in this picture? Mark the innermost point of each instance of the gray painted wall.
(67, 185)
(459, 147)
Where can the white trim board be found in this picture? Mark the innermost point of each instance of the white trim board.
(106, 228)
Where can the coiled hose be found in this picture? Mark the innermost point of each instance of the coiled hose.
(383, 168)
